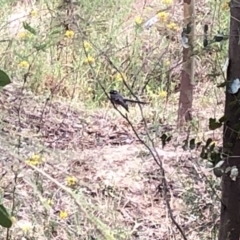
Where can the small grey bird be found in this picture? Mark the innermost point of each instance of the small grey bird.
(117, 98)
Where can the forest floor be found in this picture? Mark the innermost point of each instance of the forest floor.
(114, 172)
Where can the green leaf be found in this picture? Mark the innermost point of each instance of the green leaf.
(185, 145)
(228, 145)
(211, 148)
(57, 31)
(218, 172)
(198, 144)
(165, 139)
(215, 157)
(209, 141)
(4, 79)
(213, 124)
(5, 219)
(236, 127)
(214, 75)
(192, 144)
(29, 28)
(237, 112)
(203, 154)
(224, 84)
(233, 103)
(169, 138)
(223, 119)
(41, 47)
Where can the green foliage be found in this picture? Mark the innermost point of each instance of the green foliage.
(4, 79)
(214, 124)
(213, 155)
(146, 59)
(29, 28)
(165, 139)
(191, 144)
(5, 219)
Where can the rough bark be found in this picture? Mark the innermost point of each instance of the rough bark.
(230, 208)
(187, 79)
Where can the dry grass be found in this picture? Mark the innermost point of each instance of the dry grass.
(114, 173)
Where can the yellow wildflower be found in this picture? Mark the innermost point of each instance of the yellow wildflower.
(69, 34)
(34, 13)
(25, 226)
(50, 202)
(162, 94)
(167, 2)
(34, 160)
(162, 16)
(167, 63)
(172, 26)
(63, 214)
(13, 219)
(138, 20)
(225, 5)
(23, 64)
(22, 35)
(89, 89)
(87, 46)
(71, 181)
(119, 77)
(89, 59)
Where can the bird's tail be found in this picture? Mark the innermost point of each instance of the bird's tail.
(134, 101)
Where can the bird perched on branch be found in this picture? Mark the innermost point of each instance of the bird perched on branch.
(118, 99)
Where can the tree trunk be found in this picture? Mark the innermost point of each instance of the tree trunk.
(230, 209)
(187, 80)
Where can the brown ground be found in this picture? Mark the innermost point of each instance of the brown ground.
(114, 171)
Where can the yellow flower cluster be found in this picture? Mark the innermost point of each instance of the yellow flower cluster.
(225, 6)
(119, 77)
(156, 94)
(167, 2)
(63, 214)
(172, 26)
(89, 90)
(34, 13)
(25, 226)
(71, 181)
(162, 94)
(87, 46)
(69, 34)
(23, 64)
(163, 16)
(35, 160)
(89, 59)
(23, 35)
(138, 20)
(50, 202)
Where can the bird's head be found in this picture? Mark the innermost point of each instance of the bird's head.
(113, 92)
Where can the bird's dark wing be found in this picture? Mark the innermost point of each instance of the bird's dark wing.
(117, 98)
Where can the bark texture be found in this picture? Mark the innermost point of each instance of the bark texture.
(187, 80)
(230, 208)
